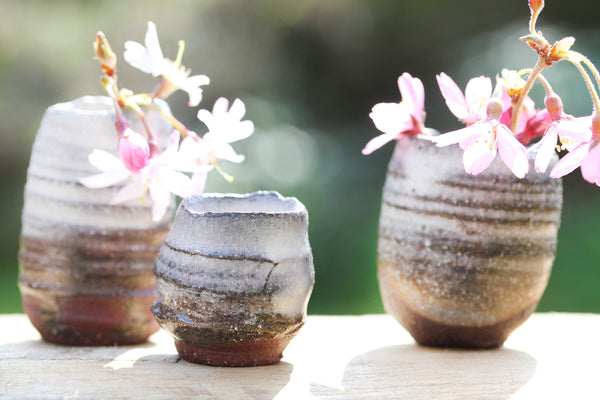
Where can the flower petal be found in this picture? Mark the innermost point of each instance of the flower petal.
(243, 130)
(413, 95)
(105, 179)
(105, 161)
(133, 151)
(175, 182)
(198, 183)
(237, 110)
(477, 96)
(161, 199)
(455, 100)
(392, 118)
(153, 47)
(459, 135)
(206, 117)
(225, 152)
(575, 131)
(545, 149)
(138, 57)
(571, 161)
(512, 152)
(133, 190)
(590, 166)
(220, 107)
(479, 154)
(377, 142)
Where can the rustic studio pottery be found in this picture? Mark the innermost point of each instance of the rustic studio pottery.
(463, 260)
(85, 264)
(234, 277)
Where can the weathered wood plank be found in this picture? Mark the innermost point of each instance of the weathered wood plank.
(366, 357)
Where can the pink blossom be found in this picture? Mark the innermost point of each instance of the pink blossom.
(469, 107)
(133, 150)
(562, 129)
(159, 177)
(150, 59)
(570, 131)
(532, 122)
(586, 156)
(482, 140)
(397, 119)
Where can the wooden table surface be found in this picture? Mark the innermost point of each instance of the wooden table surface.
(552, 356)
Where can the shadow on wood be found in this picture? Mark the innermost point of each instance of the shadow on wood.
(411, 371)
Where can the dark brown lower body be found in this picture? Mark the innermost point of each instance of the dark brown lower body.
(242, 354)
(92, 320)
(229, 341)
(427, 332)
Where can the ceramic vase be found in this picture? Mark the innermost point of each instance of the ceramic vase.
(85, 264)
(463, 260)
(234, 277)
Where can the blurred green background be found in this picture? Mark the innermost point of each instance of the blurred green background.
(309, 72)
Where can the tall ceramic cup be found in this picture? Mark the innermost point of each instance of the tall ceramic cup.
(86, 264)
(463, 260)
(234, 277)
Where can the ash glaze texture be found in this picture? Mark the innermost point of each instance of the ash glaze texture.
(234, 277)
(86, 265)
(463, 260)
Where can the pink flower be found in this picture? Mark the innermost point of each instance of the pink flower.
(397, 119)
(586, 155)
(133, 150)
(570, 131)
(470, 107)
(482, 140)
(535, 124)
(150, 59)
(532, 122)
(160, 177)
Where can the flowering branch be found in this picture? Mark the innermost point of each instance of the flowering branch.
(182, 167)
(507, 120)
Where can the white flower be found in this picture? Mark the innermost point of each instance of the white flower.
(224, 127)
(150, 59)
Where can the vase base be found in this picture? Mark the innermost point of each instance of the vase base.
(253, 354)
(427, 332)
(73, 338)
(96, 321)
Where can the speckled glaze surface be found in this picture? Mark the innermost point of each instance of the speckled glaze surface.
(86, 265)
(234, 277)
(463, 260)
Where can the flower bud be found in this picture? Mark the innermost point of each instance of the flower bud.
(537, 42)
(554, 106)
(494, 109)
(512, 82)
(104, 54)
(133, 150)
(560, 50)
(596, 127)
(536, 5)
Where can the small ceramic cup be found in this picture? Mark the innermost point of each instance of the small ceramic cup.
(234, 277)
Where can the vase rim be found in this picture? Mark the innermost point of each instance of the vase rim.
(260, 203)
(87, 105)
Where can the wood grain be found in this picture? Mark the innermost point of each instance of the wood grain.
(552, 356)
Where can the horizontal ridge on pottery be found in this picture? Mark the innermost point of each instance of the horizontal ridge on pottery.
(234, 277)
(458, 252)
(85, 264)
